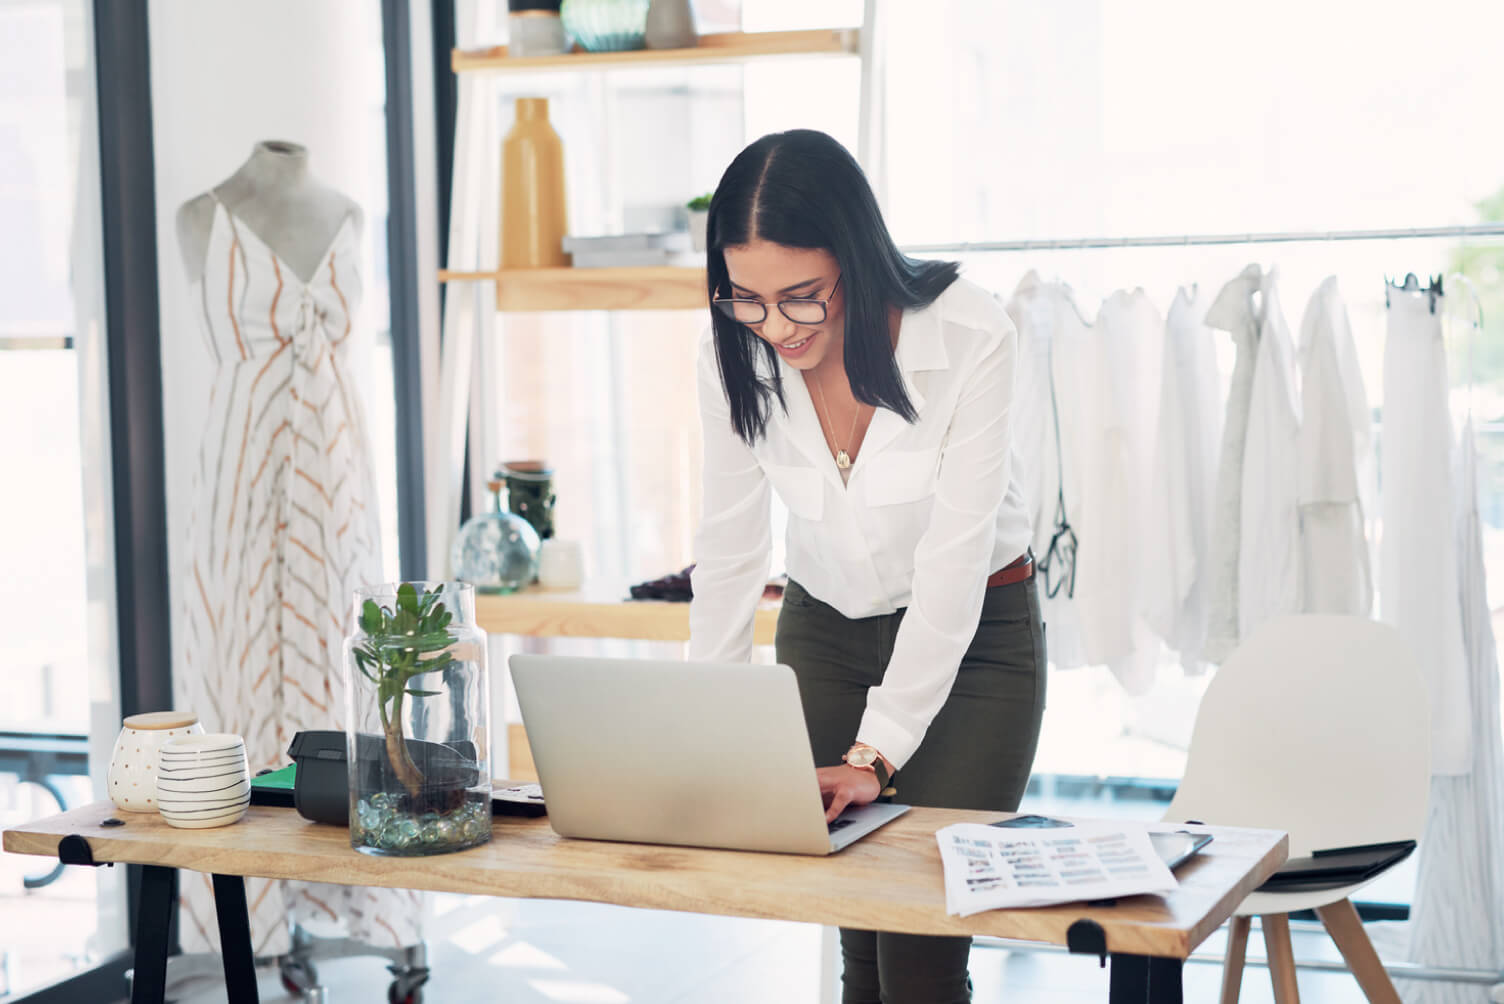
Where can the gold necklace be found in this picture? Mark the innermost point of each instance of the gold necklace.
(843, 459)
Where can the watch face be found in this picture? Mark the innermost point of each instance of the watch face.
(862, 756)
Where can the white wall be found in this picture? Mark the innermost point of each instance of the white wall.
(226, 74)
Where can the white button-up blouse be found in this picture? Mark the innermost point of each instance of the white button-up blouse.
(931, 509)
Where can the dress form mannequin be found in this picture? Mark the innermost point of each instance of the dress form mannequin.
(284, 520)
(273, 194)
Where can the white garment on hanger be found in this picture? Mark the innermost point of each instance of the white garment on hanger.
(1455, 920)
(1036, 460)
(1235, 312)
(1269, 576)
(1417, 550)
(1336, 461)
(1073, 368)
(1124, 399)
(1178, 528)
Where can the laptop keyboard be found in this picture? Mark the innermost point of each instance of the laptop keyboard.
(839, 824)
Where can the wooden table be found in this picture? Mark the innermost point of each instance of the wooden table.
(890, 880)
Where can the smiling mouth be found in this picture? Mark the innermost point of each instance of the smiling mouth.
(790, 346)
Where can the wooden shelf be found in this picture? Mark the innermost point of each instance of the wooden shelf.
(598, 613)
(666, 287)
(730, 47)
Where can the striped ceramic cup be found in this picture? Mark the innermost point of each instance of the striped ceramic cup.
(203, 781)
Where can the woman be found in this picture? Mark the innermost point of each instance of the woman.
(872, 392)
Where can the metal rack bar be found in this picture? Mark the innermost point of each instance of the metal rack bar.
(1203, 240)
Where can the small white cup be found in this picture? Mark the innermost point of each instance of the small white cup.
(203, 781)
(561, 564)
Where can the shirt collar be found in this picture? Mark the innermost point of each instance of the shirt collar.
(921, 341)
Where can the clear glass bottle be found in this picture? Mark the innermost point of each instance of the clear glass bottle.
(497, 551)
(419, 720)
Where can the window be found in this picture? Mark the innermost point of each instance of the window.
(57, 599)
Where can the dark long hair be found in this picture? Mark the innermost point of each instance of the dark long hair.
(802, 189)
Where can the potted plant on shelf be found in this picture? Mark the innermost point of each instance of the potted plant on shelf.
(699, 216)
(419, 775)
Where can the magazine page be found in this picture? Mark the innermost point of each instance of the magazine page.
(988, 868)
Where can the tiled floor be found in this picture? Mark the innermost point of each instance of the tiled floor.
(544, 952)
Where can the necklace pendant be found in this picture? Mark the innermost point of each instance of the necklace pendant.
(843, 460)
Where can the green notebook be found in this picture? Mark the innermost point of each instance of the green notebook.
(274, 787)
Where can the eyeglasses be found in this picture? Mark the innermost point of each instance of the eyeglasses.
(800, 310)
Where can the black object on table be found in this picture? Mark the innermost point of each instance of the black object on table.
(321, 788)
(674, 588)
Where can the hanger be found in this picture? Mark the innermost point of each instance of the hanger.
(1412, 285)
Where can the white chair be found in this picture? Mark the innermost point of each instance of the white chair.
(1319, 726)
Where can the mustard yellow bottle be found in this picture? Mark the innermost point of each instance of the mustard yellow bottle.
(533, 212)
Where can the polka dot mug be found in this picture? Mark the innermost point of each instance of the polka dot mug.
(132, 778)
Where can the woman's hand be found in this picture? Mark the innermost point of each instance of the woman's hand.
(845, 785)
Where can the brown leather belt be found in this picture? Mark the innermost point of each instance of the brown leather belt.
(1017, 571)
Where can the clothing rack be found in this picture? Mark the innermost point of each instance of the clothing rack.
(1202, 240)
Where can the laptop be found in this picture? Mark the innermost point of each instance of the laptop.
(693, 754)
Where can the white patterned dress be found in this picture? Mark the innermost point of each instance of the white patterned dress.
(284, 528)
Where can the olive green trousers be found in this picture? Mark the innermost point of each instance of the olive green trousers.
(977, 753)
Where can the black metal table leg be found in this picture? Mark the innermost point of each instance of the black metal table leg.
(159, 888)
(1145, 979)
(235, 939)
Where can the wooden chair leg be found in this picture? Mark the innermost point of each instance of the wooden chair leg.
(1237, 951)
(1342, 923)
(1281, 957)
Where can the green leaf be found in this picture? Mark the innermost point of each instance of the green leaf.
(424, 693)
(370, 617)
(407, 598)
(364, 661)
(430, 666)
(431, 641)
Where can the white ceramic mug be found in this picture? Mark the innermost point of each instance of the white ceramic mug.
(132, 777)
(561, 564)
(203, 781)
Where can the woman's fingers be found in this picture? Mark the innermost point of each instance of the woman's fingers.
(840, 798)
(843, 786)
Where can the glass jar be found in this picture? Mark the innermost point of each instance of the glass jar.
(534, 28)
(606, 25)
(419, 713)
(530, 493)
(497, 551)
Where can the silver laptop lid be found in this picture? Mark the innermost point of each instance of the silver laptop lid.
(697, 754)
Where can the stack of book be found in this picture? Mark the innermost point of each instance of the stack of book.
(625, 250)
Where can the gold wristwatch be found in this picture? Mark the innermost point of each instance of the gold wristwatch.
(864, 757)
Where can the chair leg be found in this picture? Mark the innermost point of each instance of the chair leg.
(1237, 950)
(1342, 923)
(1281, 957)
